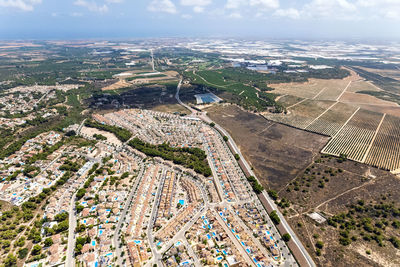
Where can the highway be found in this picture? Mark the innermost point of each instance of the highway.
(236, 150)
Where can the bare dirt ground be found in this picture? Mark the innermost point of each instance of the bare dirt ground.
(123, 83)
(111, 138)
(119, 84)
(172, 108)
(276, 152)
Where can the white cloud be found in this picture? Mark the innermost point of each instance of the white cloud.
(198, 5)
(338, 9)
(162, 6)
(198, 9)
(389, 9)
(291, 13)
(268, 4)
(235, 15)
(186, 16)
(260, 4)
(92, 6)
(195, 2)
(25, 5)
(235, 4)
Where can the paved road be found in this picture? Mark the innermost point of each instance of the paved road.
(116, 239)
(71, 233)
(80, 127)
(236, 150)
(178, 88)
(234, 240)
(156, 256)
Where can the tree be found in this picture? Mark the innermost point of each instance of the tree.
(212, 124)
(11, 260)
(237, 157)
(48, 242)
(225, 138)
(274, 217)
(22, 253)
(79, 208)
(286, 237)
(71, 133)
(20, 242)
(273, 194)
(61, 216)
(36, 250)
(81, 192)
(319, 244)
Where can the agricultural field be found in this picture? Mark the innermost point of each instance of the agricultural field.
(319, 89)
(355, 137)
(288, 100)
(385, 150)
(277, 152)
(301, 114)
(332, 120)
(362, 85)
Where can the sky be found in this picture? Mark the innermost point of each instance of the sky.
(371, 20)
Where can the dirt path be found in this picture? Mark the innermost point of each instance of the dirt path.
(343, 193)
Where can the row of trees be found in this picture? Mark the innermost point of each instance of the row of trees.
(122, 134)
(257, 187)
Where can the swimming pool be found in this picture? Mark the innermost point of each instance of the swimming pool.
(182, 202)
(137, 242)
(93, 243)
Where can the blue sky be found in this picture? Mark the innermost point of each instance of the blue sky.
(305, 19)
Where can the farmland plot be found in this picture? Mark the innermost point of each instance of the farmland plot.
(331, 122)
(288, 100)
(385, 151)
(302, 114)
(355, 137)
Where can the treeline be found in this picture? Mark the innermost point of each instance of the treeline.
(193, 158)
(122, 134)
(257, 187)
